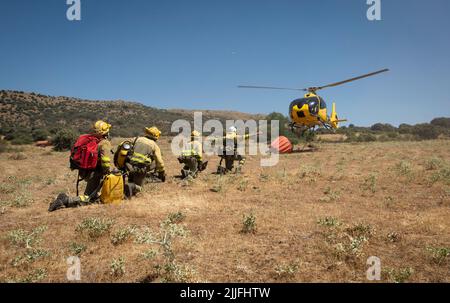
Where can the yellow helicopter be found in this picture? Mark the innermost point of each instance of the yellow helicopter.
(310, 112)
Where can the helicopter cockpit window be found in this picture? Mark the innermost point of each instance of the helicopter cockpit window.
(322, 104)
(313, 105)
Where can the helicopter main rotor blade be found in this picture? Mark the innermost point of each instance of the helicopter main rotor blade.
(352, 79)
(270, 87)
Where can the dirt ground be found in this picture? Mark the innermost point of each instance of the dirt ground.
(316, 216)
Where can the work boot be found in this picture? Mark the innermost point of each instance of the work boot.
(221, 170)
(128, 190)
(61, 201)
(137, 189)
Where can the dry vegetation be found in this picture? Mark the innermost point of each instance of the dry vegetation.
(315, 217)
(23, 113)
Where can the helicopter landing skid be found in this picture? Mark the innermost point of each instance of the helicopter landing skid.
(299, 131)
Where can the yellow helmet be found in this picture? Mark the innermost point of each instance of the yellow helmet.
(195, 134)
(153, 132)
(101, 127)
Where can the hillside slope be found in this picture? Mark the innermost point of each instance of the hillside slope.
(30, 110)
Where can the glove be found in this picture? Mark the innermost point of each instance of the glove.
(162, 176)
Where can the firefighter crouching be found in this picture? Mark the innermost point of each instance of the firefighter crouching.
(90, 171)
(230, 152)
(145, 155)
(192, 157)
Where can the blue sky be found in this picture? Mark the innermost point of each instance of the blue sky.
(193, 54)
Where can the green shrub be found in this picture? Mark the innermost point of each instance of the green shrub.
(117, 267)
(95, 227)
(400, 275)
(404, 168)
(439, 254)
(18, 135)
(30, 256)
(176, 217)
(329, 222)
(77, 248)
(149, 254)
(40, 134)
(249, 224)
(34, 276)
(434, 163)
(21, 139)
(287, 270)
(392, 135)
(64, 139)
(441, 175)
(21, 200)
(122, 235)
(366, 137)
(26, 239)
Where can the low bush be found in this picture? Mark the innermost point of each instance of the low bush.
(64, 139)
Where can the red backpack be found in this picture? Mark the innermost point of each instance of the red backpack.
(84, 153)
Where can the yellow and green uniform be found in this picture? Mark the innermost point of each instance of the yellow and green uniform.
(230, 152)
(193, 149)
(146, 151)
(93, 178)
(104, 152)
(146, 155)
(192, 158)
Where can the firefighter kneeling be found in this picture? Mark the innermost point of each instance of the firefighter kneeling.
(90, 156)
(191, 157)
(142, 155)
(230, 152)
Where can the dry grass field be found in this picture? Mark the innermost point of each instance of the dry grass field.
(315, 217)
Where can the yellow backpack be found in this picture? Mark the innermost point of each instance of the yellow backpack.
(112, 189)
(123, 152)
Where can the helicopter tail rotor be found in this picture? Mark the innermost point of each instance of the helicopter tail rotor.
(334, 120)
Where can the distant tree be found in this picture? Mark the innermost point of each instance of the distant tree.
(284, 129)
(64, 139)
(405, 128)
(380, 127)
(426, 131)
(442, 122)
